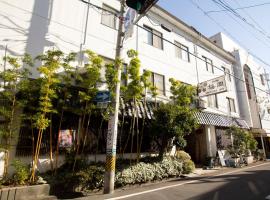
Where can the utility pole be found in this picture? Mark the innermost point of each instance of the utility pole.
(141, 6)
(113, 121)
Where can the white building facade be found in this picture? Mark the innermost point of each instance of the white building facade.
(34, 26)
(252, 88)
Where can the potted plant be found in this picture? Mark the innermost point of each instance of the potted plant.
(243, 143)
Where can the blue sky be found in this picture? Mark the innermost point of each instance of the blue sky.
(258, 17)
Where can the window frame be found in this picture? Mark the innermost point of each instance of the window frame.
(209, 62)
(262, 79)
(107, 7)
(231, 104)
(153, 35)
(181, 48)
(227, 73)
(215, 102)
(152, 79)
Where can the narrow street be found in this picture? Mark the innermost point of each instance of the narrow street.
(249, 183)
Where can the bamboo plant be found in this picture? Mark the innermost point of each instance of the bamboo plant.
(12, 80)
(51, 62)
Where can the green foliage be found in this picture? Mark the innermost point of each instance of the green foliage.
(90, 178)
(170, 122)
(21, 173)
(51, 63)
(188, 166)
(134, 87)
(182, 155)
(145, 172)
(14, 79)
(242, 141)
(174, 120)
(89, 82)
(182, 94)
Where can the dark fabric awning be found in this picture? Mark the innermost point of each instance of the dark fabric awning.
(206, 118)
(144, 110)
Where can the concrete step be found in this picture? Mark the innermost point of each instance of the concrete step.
(45, 198)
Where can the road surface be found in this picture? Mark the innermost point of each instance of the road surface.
(248, 183)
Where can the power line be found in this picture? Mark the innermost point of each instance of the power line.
(192, 54)
(254, 21)
(180, 48)
(225, 5)
(229, 34)
(240, 8)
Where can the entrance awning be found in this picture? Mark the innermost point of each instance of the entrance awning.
(206, 118)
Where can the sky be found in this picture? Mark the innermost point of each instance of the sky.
(251, 29)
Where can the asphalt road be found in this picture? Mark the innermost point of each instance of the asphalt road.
(249, 183)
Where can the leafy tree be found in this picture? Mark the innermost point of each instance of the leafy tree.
(242, 141)
(89, 84)
(14, 79)
(175, 119)
(66, 78)
(134, 93)
(51, 62)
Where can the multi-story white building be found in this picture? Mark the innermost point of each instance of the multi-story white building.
(252, 88)
(33, 26)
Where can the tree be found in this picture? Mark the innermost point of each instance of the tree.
(175, 119)
(14, 79)
(242, 141)
(51, 62)
(66, 78)
(88, 83)
(133, 93)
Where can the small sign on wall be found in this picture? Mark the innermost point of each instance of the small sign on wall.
(213, 86)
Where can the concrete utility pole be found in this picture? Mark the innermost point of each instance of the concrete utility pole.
(113, 121)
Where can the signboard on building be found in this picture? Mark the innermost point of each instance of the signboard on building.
(213, 86)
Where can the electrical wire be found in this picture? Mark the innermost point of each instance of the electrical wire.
(171, 43)
(229, 34)
(240, 8)
(223, 4)
(252, 19)
(192, 54)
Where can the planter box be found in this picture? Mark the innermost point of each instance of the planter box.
(26, 192)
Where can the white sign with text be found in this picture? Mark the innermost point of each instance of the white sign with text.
(213, 86)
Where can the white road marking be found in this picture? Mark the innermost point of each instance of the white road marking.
(180, 184)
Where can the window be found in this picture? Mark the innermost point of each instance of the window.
(212, 101)
(247, 80)
(108, 19)
(181, 51)
(231, 104)
(158, 81)
(262, 79)
(227, 73)
(154, 38)
(208, 64)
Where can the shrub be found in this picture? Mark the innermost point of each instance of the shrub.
(145, 172)
(182, 155)
(188, 166)
(89, 179)
(21, 174)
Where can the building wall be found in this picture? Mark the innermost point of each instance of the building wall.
(34, 26)
(255, 110)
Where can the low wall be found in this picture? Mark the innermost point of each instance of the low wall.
(25, 192)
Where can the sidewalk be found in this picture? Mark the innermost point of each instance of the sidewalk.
(198, 174)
